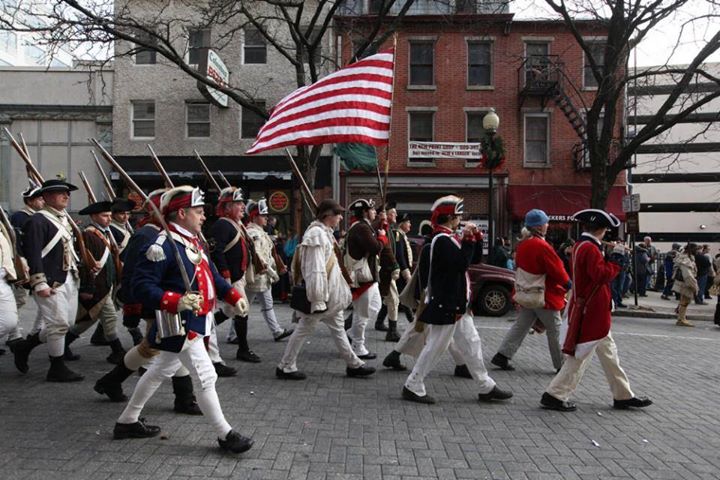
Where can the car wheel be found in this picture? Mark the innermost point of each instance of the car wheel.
(494, 300)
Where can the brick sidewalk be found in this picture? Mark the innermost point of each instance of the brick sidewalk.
(333, 427)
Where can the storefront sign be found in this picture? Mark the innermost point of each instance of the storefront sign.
(279, 201)
(444, 150)
(560, 218)
(216, 71)
(632, 222)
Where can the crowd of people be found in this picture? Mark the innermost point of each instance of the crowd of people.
(184, 281)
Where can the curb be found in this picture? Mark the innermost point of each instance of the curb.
(653, 314)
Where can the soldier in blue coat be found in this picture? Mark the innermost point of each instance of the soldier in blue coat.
(49, 249)
(183, 317)
(134, 311)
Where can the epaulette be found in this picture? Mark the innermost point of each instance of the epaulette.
(155, 252)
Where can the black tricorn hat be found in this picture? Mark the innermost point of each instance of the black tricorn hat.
(405, 217)
(97, 207)
(597, 217)
(122, 205)
(55, 185)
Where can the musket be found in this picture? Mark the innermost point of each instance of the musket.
(161, 170)
(134, 186)
(311, 203)
(84, 253)
(225, 180)
(21, 275)
(207, 172)
(106, 181)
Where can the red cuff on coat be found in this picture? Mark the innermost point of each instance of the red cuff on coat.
(169, 302)
(383, 239)
(232, 297)
(225, 273)
(132, 309)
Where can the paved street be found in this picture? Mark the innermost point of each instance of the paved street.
(333, 427)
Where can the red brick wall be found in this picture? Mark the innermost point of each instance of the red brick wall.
(451, 96)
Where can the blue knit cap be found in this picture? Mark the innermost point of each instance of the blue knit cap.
(536, 218)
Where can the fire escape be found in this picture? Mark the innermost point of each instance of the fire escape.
(542, 76)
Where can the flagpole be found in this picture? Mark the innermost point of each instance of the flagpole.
(384, 190)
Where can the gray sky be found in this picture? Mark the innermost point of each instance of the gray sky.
(658, 46)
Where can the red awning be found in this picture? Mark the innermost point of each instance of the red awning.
(559, 202)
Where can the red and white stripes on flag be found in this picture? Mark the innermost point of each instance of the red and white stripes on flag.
(350, 105)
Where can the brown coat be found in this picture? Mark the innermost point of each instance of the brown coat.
(362, 242)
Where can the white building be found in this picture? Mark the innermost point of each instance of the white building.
(22, 49)
(678, 173)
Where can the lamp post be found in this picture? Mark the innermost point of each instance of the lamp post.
(491, 159)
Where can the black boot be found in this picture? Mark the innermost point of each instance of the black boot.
(393, 361)
(502, 361)
(244, 354)
(111, 383)
(136, 335)
(118, 352)
(23, 349)
(98, 337)
(60, 373)
(69, 356)
(392, 335)
(380, 320)
(349, 321)
(220, 317)
(184, 398)
(408, 313)
(13, 343)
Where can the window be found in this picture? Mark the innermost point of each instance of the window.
(251, 121)
(421, 130)
(255, 47)
(198, 119)
(598, 54)
(143, 119)
(536, 65)
(144, 55)
(198, 42)
(537, 135)
(479, 64)
(421, 62)
(475, 129)
(8, 41)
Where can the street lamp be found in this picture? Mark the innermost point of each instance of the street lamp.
(492, 157)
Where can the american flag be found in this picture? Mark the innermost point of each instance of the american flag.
(350, 105)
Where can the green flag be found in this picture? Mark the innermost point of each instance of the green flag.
(357, 156)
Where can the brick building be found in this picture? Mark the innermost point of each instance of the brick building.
(451, 68)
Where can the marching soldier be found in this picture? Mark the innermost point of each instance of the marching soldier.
(446, 311)
(134, 311)
(53, 264)
(232, 256)
(404, 256)
(259, 283)
(362, 246)
(33, 200)
(183, 316)
(328, 294)
(98, 288)
(8, 275)
(120, 226)
(389, 274)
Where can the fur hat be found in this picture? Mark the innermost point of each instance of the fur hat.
(255, 209)
(448, 205)
(184, 196)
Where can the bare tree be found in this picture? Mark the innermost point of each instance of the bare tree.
(628, 22)
(295, 29)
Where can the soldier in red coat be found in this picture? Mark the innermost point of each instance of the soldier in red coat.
(589, 319)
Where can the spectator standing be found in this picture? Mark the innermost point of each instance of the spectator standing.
(619, 256)
(711, 273)
(703, 264)
(685, 281)
(652, 254)
(500, 254)
(669, 263)
(642, 264)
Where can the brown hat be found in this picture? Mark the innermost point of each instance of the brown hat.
(328, 207)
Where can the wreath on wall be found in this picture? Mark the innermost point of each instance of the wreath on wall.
(493, 151)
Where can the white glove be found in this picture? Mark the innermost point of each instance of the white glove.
(406, 274)
(190, 301)
(241, 308)
(395, 274)
(619, 249)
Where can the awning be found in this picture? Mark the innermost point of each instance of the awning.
(559, 202)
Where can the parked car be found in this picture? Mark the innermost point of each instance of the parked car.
(491, 287)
